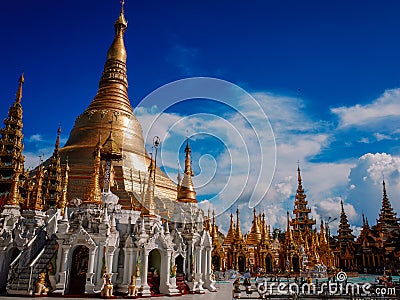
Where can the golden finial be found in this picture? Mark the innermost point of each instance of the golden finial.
(21, 81)
(117, 49)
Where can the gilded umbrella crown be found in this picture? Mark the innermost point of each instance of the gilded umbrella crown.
(117, 50)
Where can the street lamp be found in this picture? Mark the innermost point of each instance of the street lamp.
(156, 145)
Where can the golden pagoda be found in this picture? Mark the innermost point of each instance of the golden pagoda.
(111, 104)
(11, 158)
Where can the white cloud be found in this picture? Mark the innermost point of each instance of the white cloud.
(386, 106)
(380, 137)
(365, 183)
(35, 138)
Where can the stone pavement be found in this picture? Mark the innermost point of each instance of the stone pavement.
(224, 292)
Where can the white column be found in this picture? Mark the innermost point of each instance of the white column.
(199, 254)
(62, 274)
(64, 257)
(115, 261)
(209, 260)
(92, 255)
(110, 259)
(145, 289)
(127, 265)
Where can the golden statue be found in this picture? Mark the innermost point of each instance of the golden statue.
(173, 271)
(41, 289)
(132, 290)
(107, 289)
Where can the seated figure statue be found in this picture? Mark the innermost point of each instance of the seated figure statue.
(41, 289)
(132, 290)
(107, 289)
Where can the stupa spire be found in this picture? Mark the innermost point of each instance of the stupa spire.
(93, 191)
(231, 233)
(387, 217)
(52, 182)
(345, 235)
(149, 206)
(21, 81)
(301, 211)
(62, 204)
(239, 234)
(11, 147)
(113, 86)
(186, 191)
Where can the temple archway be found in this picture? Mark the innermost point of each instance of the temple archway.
(268, 264)
(296, 264)
(216, 263)
(179, 264)
(153, 271)
(241, 264)
(78, 270)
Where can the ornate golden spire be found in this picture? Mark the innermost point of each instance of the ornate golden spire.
(37, 196)
(11, 147)
(388, 219)
(231, 233)
(57, 145)
(254, 237)
(113, 86)
(214, 230)
(14, 196)
(322, 236)
(289, 236)
(239, 234)
(186, 191)
(301, 220)
(52, 182)
(117, 49)
(21, 81)
(63, 200)
(93, 191)
(149, 206)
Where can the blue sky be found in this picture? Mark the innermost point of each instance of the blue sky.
(326, 73)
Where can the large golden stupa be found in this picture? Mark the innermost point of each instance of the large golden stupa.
(111, 108)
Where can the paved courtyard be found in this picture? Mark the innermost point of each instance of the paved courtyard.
(224, 292)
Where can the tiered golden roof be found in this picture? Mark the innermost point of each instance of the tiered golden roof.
(52, 182)
(301, 221)
(11, 147)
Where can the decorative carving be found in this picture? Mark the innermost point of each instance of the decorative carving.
(82, 235)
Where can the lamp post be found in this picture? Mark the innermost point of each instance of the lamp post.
(156, 145)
